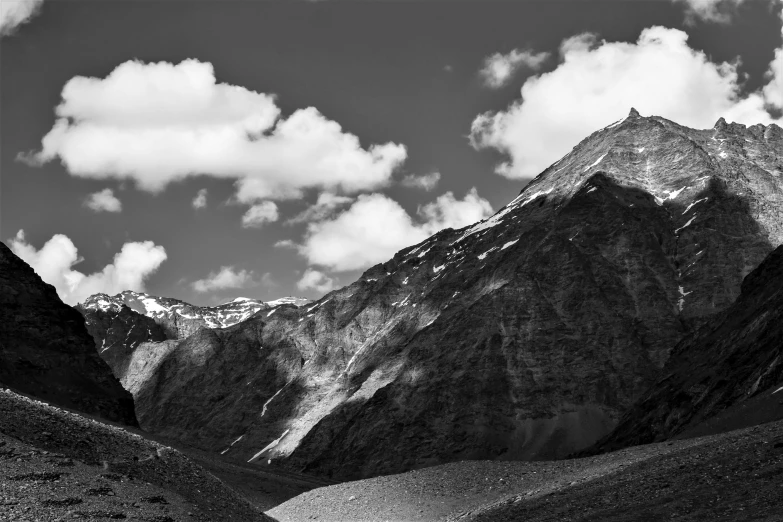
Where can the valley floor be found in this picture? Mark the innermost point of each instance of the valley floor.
(732, 476)
(57, 465)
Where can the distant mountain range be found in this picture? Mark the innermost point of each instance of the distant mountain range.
(182, 318)
(525, 336)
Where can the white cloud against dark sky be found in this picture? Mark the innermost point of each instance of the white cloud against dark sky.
(54, 262)
(595, 83)
(200, 201)
(16, 12)
(499, 69)
(103, 201)
(157, 123)
(225, 278)
(375, 227)
(258, 127)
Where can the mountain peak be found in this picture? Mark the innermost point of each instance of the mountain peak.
(634, 113)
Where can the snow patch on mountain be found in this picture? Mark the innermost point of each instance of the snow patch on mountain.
(221, 316)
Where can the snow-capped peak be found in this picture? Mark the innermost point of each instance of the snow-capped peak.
(296, 301)
(165, 308)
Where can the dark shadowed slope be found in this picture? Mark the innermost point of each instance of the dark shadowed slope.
(524, 336)
(57, 465)
(733, 366)
(45, 350)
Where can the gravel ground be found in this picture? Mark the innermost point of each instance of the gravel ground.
(732, 476)
(58, 465)
(736, 476)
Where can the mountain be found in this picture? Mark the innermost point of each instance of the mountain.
(179, 319)
(46, 351)
(524, 336)
(725, 375)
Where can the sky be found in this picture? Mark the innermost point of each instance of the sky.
(206, 150)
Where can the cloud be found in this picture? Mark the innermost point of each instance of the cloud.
(449, 212)
(200, 201)
(326, 204)
(13, 13)
(597, 83)
(268, 281)
(773, 91)
(375, 227)
(157, 123)
(315, 280)
(500, 68)
(718, 11)
(131, 267)
(227, 277)
(260, 213)
(103, 201)
(426, 182)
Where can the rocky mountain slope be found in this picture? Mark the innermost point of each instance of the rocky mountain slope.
(524, 336)
(45, 350)
(735, 358)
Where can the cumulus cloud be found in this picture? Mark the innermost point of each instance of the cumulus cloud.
(326, 205)
(259, 214)
(773, 91)
(597, 82)
(718, 11)
(426, 182)
(226, 277)
(499, 68)
(157, 123)
(16, 12)
(200, 201)
(103, 201)
(375, 227)
(449, 212)
(131, 267)
(315, 280)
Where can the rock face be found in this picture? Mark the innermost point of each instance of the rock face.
(45, 350)
(736, 356)
(524, 336)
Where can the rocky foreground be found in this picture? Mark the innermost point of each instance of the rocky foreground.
(734, 476)
(58, 465)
